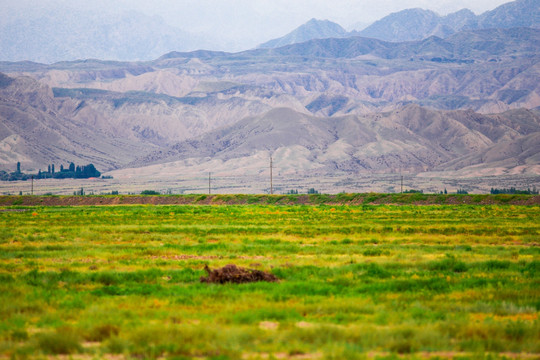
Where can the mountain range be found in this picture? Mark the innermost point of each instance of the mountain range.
(419, 24)
(63, 33)
(467, 104)
(346, 105)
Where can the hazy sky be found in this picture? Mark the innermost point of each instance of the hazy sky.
(247, 23)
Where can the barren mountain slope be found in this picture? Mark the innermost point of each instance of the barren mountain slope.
(487, 71)
(411, 138)
(313, 105)
(37, 129)
(162, 119)
(519, 156)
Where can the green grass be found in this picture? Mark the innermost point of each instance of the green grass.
(355, 281)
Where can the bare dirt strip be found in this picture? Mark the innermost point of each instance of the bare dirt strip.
(347, 199)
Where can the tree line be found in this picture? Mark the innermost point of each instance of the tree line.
(72, 171)
(513, 190)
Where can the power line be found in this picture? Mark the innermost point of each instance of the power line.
(271, 178)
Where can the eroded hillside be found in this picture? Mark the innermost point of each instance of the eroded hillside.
(342, 105)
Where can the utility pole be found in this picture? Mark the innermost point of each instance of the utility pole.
(32, 192)
(209, 187)
(271, 178)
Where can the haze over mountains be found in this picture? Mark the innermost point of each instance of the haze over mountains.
(418, 24)
(313, 29)
(466, 104)
(55, 37)
(59, 30)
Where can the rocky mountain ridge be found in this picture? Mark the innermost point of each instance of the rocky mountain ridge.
(418, 24)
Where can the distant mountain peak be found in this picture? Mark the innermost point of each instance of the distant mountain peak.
(418, 11)
(520, 13)
(462, 12)
(313, 21)
(313, 29)
(417, 24)
(405, 25)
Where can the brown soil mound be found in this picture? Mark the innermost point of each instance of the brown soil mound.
(237, 275)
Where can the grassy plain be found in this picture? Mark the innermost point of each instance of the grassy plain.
(459, 281)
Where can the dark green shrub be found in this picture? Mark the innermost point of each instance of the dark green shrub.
(449, 264)
(116, 345)
(377, 271)
(106, 278)
(102, 332)
(372, 252)
(497, 265)
(19, 335)
(63, 341)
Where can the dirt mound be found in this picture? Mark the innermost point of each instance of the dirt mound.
(237, 275)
